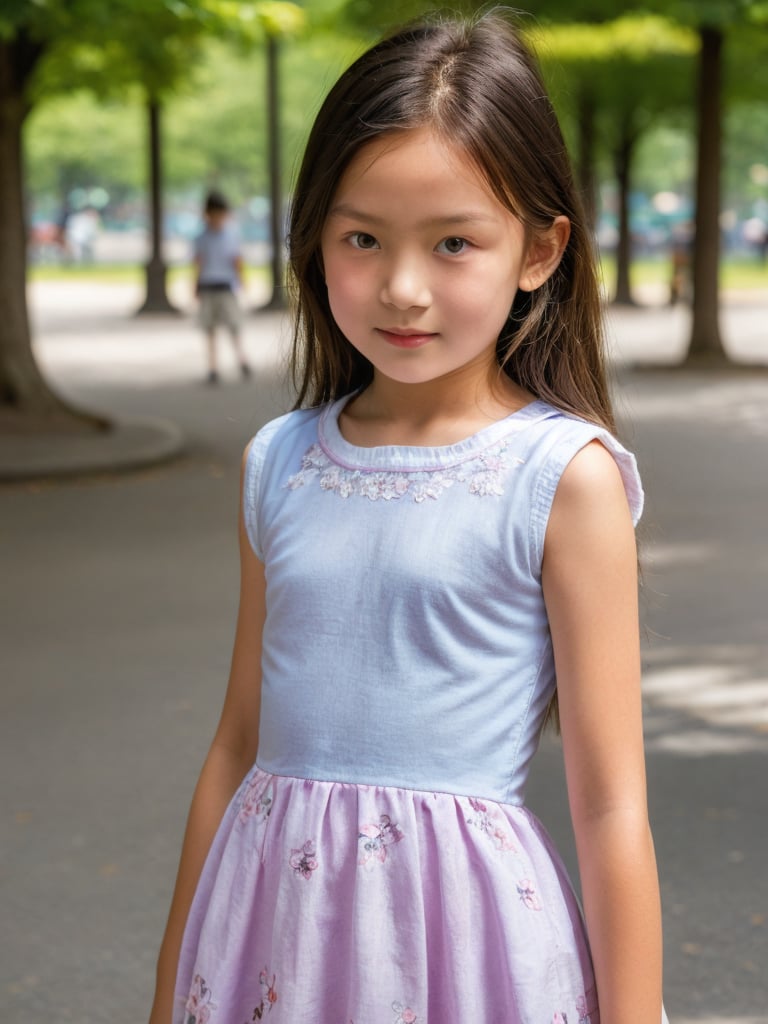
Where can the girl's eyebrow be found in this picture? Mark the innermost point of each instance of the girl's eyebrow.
(461, 217)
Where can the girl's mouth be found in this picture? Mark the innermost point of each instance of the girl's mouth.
(405, 339)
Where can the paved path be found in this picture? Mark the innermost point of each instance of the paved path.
(117, 620)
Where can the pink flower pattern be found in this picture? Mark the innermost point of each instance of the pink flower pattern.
(486, 820)
(483, 475)
(268, 994)
(404, 1014)
(373, 840)
(304, 860)
(527, 893)
(198, 1006)
(256, 800)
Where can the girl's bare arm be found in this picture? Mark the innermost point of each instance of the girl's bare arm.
(232, 753)
(590, 588)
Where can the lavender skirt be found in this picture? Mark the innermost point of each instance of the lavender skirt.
(331, 903)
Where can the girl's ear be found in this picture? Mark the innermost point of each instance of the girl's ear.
(544, 254)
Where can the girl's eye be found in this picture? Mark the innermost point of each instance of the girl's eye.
(362, 240)
(452, 246)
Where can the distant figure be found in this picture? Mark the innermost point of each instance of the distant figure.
(219, 274)
(81, 230)
(681, 243)
(62, 227)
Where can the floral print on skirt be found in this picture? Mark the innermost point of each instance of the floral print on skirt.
(331, 903)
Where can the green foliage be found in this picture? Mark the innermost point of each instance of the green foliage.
(215, 123)
(630, 39)
(75, 141)
(664, 159)
(746, 64)
(636, 71)
(746, 169)
(123, 42)
(694, 13)
(712, 13)
(41, 19)
(214, 127)
(374, 19)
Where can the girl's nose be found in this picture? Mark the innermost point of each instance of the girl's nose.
(405, 284)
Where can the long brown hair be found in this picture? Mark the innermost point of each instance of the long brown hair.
(475, 83)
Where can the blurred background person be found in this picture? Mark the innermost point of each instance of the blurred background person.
(219, 274)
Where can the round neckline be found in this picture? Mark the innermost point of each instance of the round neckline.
(415, 457)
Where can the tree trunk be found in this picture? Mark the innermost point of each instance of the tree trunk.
(585, 157)
(706, 344)
(27, 403)
(622, 165)
(277, 299)
(156, 300)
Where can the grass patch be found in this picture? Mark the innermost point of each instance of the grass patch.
(736, 273)
(122, 273)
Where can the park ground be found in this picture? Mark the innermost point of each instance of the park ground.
(118, 613)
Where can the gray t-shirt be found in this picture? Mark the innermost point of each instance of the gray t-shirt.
(217, 253)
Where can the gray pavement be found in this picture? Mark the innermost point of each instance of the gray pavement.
(119, 599)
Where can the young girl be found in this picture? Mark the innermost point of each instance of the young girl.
(437, 544)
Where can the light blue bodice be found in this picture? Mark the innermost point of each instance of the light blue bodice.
(406, 642)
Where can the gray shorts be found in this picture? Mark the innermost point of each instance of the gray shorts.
(218, 308)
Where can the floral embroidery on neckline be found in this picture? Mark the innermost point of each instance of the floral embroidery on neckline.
(483, 475)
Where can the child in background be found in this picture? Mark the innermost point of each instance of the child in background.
(219, 274)
(437, 555)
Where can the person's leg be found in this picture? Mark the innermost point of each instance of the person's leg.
(213, 373)
(207, 320)
(231, 309)
(237, 344)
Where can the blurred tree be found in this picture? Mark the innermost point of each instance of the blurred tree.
(249, 23)
(220, 142)
(24, 394)
(105, 45)
(374, 19)
(745, 186)
(634, 70)
(716, 21)
(76, 141)
(713, 21)
(152, 44)
(49, 44)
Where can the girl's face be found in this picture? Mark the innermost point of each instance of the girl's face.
(422, 261)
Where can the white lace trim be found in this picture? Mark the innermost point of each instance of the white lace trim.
(483, 475)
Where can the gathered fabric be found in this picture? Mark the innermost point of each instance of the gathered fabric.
(325, 901)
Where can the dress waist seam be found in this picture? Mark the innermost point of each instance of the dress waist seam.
(358, 784)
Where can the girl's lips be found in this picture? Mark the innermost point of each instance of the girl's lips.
(405, 339)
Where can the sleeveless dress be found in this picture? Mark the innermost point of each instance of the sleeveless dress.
(378, 865)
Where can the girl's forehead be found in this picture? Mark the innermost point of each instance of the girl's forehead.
(403, 146)
(416, 158)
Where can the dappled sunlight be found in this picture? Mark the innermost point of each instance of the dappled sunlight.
(737, 401)
(721, 1020)
(662, 556)
(722, 686)
(659, 335)
(109, 345)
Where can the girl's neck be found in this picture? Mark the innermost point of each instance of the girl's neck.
(434, 413)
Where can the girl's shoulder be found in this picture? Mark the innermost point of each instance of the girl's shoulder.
(285, 426)
(276, 435)
(558, 440)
